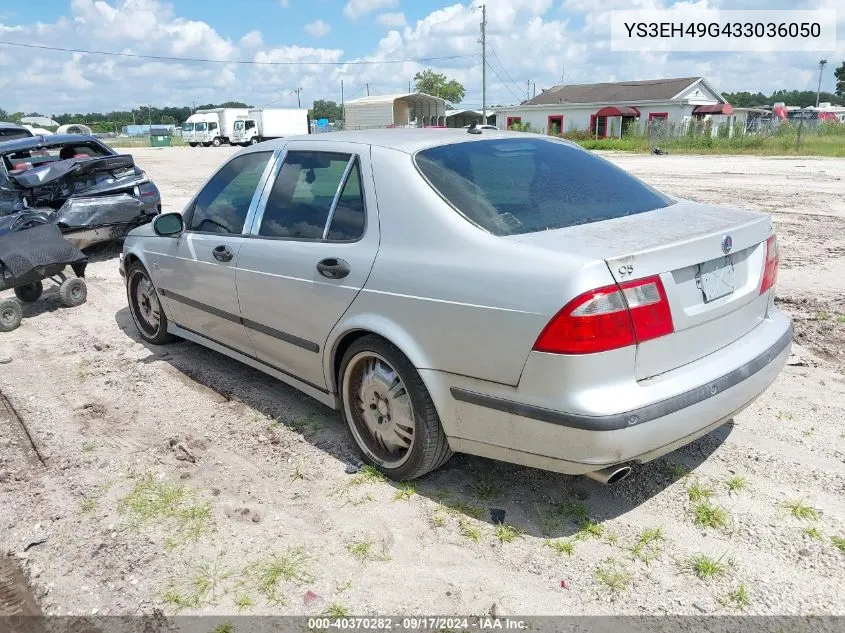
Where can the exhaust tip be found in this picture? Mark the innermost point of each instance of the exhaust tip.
(618, 475)
(611, 475)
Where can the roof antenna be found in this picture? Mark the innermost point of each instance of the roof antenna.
(473, 129)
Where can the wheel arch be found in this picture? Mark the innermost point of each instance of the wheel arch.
(346, 334)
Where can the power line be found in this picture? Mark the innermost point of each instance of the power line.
(505, 70)
(505, 84)
(233, 61)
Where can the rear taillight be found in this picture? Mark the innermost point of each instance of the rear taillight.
(609, 318)
(770, 271)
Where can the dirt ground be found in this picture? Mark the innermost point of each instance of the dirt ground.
(135, 477)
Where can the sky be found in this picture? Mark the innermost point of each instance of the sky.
(536, 41)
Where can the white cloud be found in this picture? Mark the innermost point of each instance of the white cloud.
(533, 40)
(354, 9)
(285, 4)
(392, 19)
(318, 28)
(253, 39)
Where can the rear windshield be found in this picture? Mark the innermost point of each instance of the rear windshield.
(516, 186)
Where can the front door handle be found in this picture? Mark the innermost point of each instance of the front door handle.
(222, 253)
(333, 268)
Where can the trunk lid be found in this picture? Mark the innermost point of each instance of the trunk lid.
(713, 294)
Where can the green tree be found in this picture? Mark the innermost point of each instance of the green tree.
(323, 109)
(839, 73)
(433, 83)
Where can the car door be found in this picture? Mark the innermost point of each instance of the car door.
(311, 248)
(196, 271)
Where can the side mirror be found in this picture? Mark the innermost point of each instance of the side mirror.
(169, 225)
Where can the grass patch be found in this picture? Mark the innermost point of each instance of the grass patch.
(467, 509)
(507, 533)
(487, 487)
(226, 627)
(612, 576)
(801, 510)
(365, 551)
(648, 545)
(839, 318)
(304, 425)
(785, 415)
(272, 573)
(405, 492)
(675, 470)
(707, 515)
(838, 543)
(697, 491)
(243, 602)
(437, 518)
(344, 586)
(298, 472)
(589, 530)
(821, 315)
(151, 500)
(704, 566)
(468, 530)
(739, 598)
(84, 370)
(547, 519)
(813, 533)
(574, 511)
(736, 483)
(90, 446)
(367, 475)
(809, 431)
(336, 610)
(562, 546)
(88, 504)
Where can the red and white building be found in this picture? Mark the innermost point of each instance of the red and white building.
(605, 109)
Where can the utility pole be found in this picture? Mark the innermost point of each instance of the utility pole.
(528, 90)
(822, 63)
(483, 64)
(342, 110)
(298, 101)
(368, 90)
(150, 113)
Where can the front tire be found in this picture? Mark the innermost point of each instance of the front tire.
(389, 411)
(192, 144)
(11, 315)
(145, 307)
(254, 141)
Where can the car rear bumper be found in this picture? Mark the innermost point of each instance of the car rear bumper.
(513, 425)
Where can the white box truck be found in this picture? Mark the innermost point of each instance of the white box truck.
(221, 124)
(189, 130)
(263, 124)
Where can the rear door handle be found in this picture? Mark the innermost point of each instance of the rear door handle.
(222, 253)
(333, 268)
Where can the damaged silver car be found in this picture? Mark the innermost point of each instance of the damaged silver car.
(93, 194)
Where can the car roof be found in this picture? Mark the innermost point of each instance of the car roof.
(407, 140)
(12, 125)
(31, 142)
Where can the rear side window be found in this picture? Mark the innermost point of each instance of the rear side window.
(517, 186)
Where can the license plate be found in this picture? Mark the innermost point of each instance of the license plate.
(715, 278)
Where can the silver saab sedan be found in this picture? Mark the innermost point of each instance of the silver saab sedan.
(495, 293)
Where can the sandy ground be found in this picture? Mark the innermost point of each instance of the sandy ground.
(173, 478)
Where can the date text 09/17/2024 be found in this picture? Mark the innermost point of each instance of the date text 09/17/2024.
(461, 623)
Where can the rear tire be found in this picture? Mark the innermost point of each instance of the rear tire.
(29, 292)
(145, 308)
(192, 144)
(216, 142)
(11, 315)
(73, 292)
(254, 141)
(389, 411)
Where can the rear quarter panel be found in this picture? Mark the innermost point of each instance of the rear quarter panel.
(451, 296)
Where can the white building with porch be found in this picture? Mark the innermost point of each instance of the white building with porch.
(397, 110)
(606, 109)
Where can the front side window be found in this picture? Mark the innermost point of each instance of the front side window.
(223, 204)
(200, 127)
(517, 186)
(187, 127)
(304, 192)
